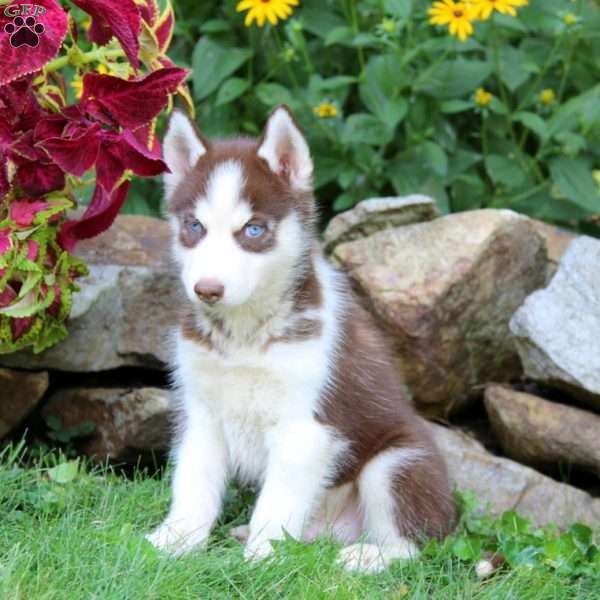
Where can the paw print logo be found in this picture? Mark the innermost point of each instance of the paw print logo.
(24, 32)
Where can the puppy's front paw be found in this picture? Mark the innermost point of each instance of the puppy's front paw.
(257, 549)
(176, 539)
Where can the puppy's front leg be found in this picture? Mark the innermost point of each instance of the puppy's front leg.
(298, 465)
(198, 485)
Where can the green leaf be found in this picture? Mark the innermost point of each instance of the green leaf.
(333, 83)
(326, 170)
(398, 8)
(344, 202)
(215, 26)
(461, 161)
(435, 158)
(574, 179)
(231, 89)
(64, 472)
(455, 106)
(338, 35)
(453, 78)
(468, 193)
(380, 89)
(533, 122)
(54, 422)
(366, 129)
(467, 548)
(212, 63)
(272, 94)
(512, 72)
(504, 170)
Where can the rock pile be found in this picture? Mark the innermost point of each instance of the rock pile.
(485, 309)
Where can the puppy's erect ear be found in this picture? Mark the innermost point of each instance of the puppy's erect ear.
(182, 147)
(284, 148)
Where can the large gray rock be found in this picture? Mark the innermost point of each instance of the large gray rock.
(20, 393)
(557, 330)
(557, 241)
(501, 484)
(126, 307)
(543, 433)
(127, 422)
(445, 291)
(376, 214)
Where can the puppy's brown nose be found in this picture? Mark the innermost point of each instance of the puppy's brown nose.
(209, 290)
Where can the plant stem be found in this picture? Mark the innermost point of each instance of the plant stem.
(82, 58)
(355, 29)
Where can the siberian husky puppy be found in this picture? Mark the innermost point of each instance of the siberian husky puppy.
(282, 380)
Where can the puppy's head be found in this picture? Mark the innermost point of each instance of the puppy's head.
(241, 210)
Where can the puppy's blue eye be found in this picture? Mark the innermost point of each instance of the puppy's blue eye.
(253, 230)
(195, 226)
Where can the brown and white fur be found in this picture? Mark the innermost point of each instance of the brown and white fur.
(282, 379)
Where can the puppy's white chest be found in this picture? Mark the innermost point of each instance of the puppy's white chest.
(248, 401)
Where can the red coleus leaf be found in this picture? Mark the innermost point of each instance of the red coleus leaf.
(98, 217)
(123, 151)
(5, 243)
(7, 296)
(164, 29)
(75, 154)
(4, 185)
(30, 36)
(33, 248)
(23, 212)
(104, 95)
(20, 326)
(20, 110)
(119, 18)
(149, 11)
(39, 177)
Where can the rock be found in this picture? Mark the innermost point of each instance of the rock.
(128, 422)
(543, 433)
(126, 307)
(20, 393)
(557, 241)
(376, 214)
(445, 291)
(557, 330)
(132, 240)
(501, 484)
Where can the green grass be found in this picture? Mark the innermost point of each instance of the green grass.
(77, 534)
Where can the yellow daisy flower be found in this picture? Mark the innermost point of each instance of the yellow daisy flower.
(547, 96)
(483, 97)
(266, 10)
(457, 15)
(77, 87)
(485, 8)
(325, 110)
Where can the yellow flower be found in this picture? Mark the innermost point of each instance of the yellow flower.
(77, 87)
(325, 110)
(547, 96)
(484, 8)
(570, 19)
(483, 97)
(104, 70)
(596, 176)
(263, 10)
(457, 15)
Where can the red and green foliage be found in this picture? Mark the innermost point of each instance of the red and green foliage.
(54, 152)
